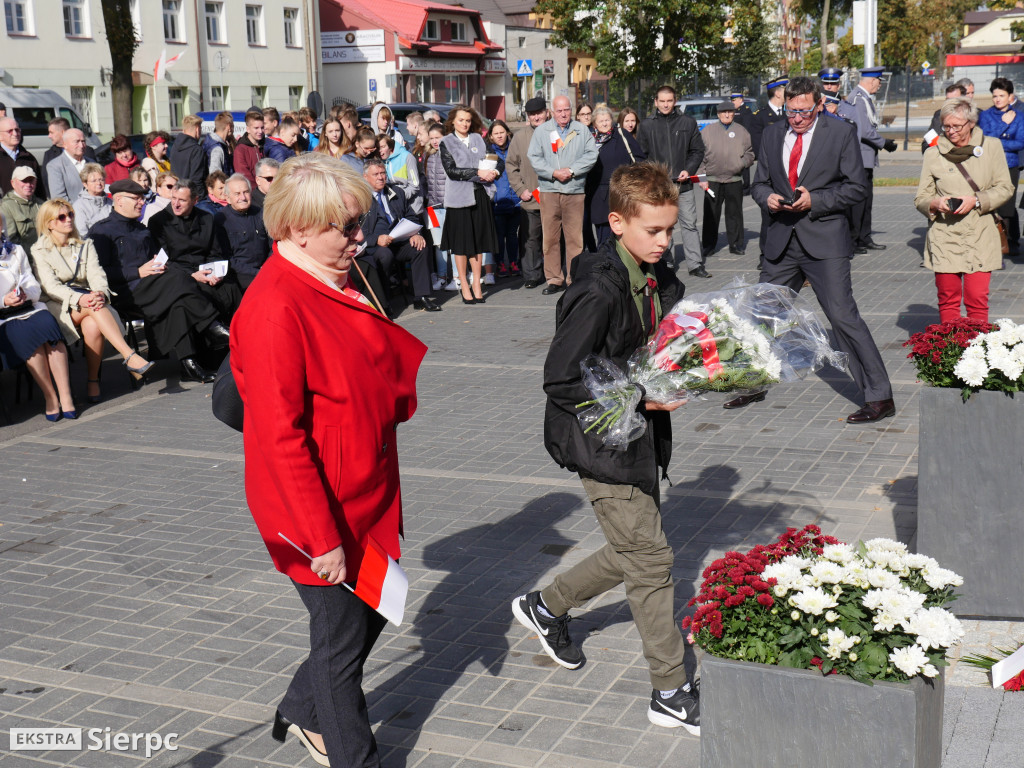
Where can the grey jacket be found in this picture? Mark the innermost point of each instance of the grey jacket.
(436, 180)
(461, 164)
(521, 176)
(727, 151)
(62, 180)
(866, 119)
(89, 209)
(578, 153)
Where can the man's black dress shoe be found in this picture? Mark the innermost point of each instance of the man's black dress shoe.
(193, 371)
(736, 251)
(700, 272)
(552, 288)
(873, 411)
(871, 245)
(427, 304)
(743, 401)
(532, 283)
(860, 250)
(218, 335)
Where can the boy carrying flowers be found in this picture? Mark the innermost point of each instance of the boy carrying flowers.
(612, 308)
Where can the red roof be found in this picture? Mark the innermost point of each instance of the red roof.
(409, 17)
(977, 60)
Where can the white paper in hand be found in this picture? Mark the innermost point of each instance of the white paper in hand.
(404, 229)
(161, 258)
(218, 268)
(488, 165)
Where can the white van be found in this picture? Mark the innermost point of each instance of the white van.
(34, 108)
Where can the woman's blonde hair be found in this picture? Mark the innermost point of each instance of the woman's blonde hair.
(961, 107)
(49, 211)
(89, 169)
(312, 191)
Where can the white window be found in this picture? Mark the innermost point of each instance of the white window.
(18, 14)
(174, 21)
(176, 100)
(76, 18)
(81, 100)
(431, 32)
(254, 25)
(294, 97)
(292, 36)
(458, 32)
(258, 96)
(214, 13)
(219, 97)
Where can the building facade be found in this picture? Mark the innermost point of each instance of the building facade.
(231, 54)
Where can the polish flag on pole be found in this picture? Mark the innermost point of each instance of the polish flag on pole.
(163, 64)
(382, 584)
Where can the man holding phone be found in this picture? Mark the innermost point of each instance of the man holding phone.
(809, 174)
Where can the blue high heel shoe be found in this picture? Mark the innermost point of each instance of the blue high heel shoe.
(54, 416)
(70, 414)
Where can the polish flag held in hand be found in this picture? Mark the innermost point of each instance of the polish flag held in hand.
(931, 138)
(382, 584)
(556, 142)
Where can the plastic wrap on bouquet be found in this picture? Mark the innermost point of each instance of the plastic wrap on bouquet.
(745, 338)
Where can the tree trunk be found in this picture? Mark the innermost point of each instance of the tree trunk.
(823, 35)
(122, 42)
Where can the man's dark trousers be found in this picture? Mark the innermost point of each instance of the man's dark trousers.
(830, 280)
(418, 258)
(860, 214)
(730, 196)
(531, 254)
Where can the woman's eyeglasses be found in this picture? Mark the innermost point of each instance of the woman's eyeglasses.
(350, 229)
(954, 128)
(66, 216)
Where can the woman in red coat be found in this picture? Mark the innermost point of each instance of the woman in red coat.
(326, 380)
(124, 160)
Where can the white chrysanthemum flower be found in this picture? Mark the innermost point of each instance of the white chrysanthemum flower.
(827, 572)
(880, 578)
(787, 575)
(899, 603)
(934, 627)
(910, 661)
(856, 574)
(972, 367)
(814, 600)
(831, 616)
(887, 545)
(917, 561)
(838, 553)
(940, 578)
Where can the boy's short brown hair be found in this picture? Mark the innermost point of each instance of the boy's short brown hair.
(645, 183)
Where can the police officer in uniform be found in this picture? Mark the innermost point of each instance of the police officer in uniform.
(866, 117)
(772, 112)
(833, 107)
(830, 80)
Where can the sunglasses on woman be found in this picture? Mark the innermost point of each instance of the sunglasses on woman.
(350, 229)
(66, 216)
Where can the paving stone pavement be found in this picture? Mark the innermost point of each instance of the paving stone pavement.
(136, 595)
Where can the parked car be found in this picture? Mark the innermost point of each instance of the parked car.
(705, 110)
(34, 108)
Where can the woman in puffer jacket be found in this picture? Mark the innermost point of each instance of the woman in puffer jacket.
(435, 178)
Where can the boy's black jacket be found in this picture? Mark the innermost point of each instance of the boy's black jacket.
(597, 315)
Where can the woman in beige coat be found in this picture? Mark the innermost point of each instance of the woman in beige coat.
(963, 245)
(76, 293)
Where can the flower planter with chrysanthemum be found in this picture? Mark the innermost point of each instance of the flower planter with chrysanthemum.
(822, 653)
(971, 460)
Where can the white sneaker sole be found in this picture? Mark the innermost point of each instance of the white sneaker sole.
(668, 721)
(524, 619)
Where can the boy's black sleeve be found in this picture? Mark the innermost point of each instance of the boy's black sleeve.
(583, 321)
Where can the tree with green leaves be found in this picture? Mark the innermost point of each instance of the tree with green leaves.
(911, 31)
(757, 45)
(828, 14)
(654, 41)
(122, 40)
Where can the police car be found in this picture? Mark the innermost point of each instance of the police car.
(705, 111)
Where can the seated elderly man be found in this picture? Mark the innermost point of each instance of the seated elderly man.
(186, 233)
(240, 231)
(175, 310)
(20, 207)
(389, 207)
(266, 172)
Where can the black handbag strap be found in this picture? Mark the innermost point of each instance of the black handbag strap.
(974, 186)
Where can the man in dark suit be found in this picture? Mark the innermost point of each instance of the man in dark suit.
(768, 114)
(389, 207)
(809, 173)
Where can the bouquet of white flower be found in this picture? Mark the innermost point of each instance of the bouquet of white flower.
(873, 611)
(994, 360)
(743, 339)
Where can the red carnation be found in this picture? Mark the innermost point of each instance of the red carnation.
(766, 600)
(734, 600)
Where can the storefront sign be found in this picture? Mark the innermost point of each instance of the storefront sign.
(352, 55)
(426, 64)
(494, 66)
(351, 38)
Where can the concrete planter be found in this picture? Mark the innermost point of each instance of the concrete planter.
(970, 498)
(755, 714)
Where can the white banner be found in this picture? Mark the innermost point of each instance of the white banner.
(423, 64)
(370, 53)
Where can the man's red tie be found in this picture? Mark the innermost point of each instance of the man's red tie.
(794, 160)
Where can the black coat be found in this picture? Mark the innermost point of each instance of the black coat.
(764, 117)
(243, 238)
(376, 223)
(597, 315)
(611, 155)
(7, 166)
(188, 240)
(188, 161)
(674, 140)
(122, 246)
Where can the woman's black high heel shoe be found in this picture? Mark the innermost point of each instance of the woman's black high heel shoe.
(93, 399)
(282, 727)
(468, 301)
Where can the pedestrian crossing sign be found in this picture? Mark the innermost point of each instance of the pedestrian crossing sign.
(524, 68)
